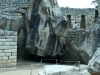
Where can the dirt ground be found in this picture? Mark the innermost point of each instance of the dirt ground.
(24, 68)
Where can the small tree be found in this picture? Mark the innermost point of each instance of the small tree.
(95, 2)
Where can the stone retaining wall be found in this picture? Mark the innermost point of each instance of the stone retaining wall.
(8, 48)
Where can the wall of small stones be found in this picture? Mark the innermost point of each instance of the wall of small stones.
(13, 8)
(13, 5)
(8, 48)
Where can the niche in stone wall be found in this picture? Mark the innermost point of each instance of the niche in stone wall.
(82, 24)
(69, 21)
(96, 15)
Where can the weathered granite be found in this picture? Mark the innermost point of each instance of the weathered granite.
(46, 28)
(95, 61)
(87, 43)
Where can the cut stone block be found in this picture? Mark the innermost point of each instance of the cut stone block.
(2, 54)
(4, 58)
(12, 57)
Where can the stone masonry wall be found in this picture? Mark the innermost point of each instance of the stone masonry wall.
(8, 48)
(13, 6)
(76, 14)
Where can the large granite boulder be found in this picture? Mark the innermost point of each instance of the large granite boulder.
(87, 43)
(94, 63)
(46, 28)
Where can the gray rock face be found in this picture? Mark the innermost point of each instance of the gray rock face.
(94, 63)
(69, 53)
(46, 28)
(87, 43)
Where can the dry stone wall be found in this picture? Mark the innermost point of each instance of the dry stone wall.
(8, 48)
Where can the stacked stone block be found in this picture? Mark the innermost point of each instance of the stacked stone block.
(8, 48)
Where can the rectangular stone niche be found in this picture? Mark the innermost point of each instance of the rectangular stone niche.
(8, 48)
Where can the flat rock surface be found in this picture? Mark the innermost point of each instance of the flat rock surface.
(24, 68)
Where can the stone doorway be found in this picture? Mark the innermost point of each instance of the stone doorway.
(82, 24)
(96, 15)
(69, 21)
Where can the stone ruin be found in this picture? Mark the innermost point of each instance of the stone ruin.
(44, 30)
(84, 17)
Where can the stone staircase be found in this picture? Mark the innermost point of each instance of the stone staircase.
(74, 34)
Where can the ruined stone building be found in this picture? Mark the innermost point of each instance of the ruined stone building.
(84, 17)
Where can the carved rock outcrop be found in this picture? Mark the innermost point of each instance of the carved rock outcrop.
(87, 43)
(46, 28)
